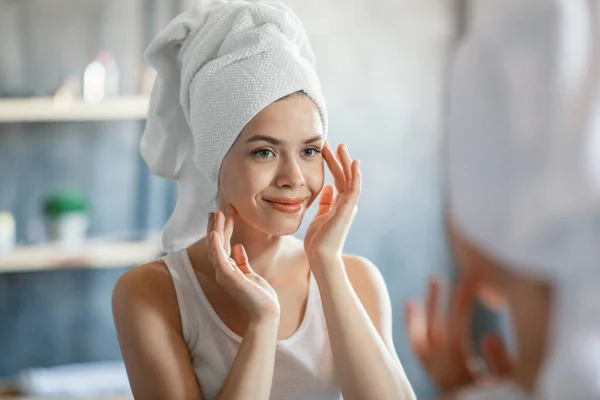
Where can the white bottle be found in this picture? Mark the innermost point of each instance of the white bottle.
(8, 236)
(101, 78)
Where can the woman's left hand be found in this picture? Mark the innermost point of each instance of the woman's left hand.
(327, 232)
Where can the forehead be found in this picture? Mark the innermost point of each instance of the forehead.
(290, 119)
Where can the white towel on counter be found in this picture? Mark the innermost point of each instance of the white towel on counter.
(75, 380)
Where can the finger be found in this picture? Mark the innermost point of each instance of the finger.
(238, 253)
(433, 322)
(209, 228)
(346, 161)
(325, 200)
(342, 215)
(229, 223)
(219, 228)
(345, 204)
(356, 182)
(495, 354)
(416, 327)
(334, 167)
(461, 312)
(219, 255)
(220, 224)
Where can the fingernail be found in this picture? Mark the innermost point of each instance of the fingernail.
(211, 216)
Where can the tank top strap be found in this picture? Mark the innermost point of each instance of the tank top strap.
(183, 282)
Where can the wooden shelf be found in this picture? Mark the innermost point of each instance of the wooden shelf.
(95, 254)
(38, 109)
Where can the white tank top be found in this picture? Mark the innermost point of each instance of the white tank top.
(303, 362)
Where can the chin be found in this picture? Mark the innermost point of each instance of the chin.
(283, 227)
(280, 225)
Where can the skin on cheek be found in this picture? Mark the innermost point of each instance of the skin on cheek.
(235, 181)
(315, 181)
(244, 182)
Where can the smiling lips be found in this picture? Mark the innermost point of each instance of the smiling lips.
(286, 205)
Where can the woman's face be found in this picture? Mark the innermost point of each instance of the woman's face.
(274, 170)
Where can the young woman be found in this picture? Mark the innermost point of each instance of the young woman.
(239, 308)
(524, 204)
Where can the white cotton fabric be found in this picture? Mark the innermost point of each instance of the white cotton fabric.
(504, 390)
(524, 165)
(218, 65)
(304, 368)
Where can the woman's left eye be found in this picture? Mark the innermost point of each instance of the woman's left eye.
(264, 153)
(311, 152)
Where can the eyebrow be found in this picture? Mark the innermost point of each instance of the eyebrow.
(277, 142)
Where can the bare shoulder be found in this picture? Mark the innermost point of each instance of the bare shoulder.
(371, 290)
(148, 325)
(147, 289)
(363, 274)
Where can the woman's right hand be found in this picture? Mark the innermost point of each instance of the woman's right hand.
(234, 273)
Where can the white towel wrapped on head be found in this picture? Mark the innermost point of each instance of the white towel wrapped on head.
(218, 65)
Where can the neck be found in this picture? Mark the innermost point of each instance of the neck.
(266, 253)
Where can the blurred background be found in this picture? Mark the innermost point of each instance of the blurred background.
(78, 206)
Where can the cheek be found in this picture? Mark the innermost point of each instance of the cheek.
(241, 183)
(232, 183)
(314, 176)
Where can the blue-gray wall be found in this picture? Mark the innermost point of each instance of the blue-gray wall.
(57, 317)
(382, 67)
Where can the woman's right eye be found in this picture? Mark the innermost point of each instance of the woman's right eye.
(263, 153)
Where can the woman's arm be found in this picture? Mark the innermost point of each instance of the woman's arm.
(156, 357)
(251, 374)
(358, 314)
(360, 333)
(149, 330)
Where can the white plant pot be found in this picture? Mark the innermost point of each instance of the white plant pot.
(68, 230)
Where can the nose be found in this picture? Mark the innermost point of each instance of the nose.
(290, 174)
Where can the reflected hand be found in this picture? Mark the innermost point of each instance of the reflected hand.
(442, 344)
